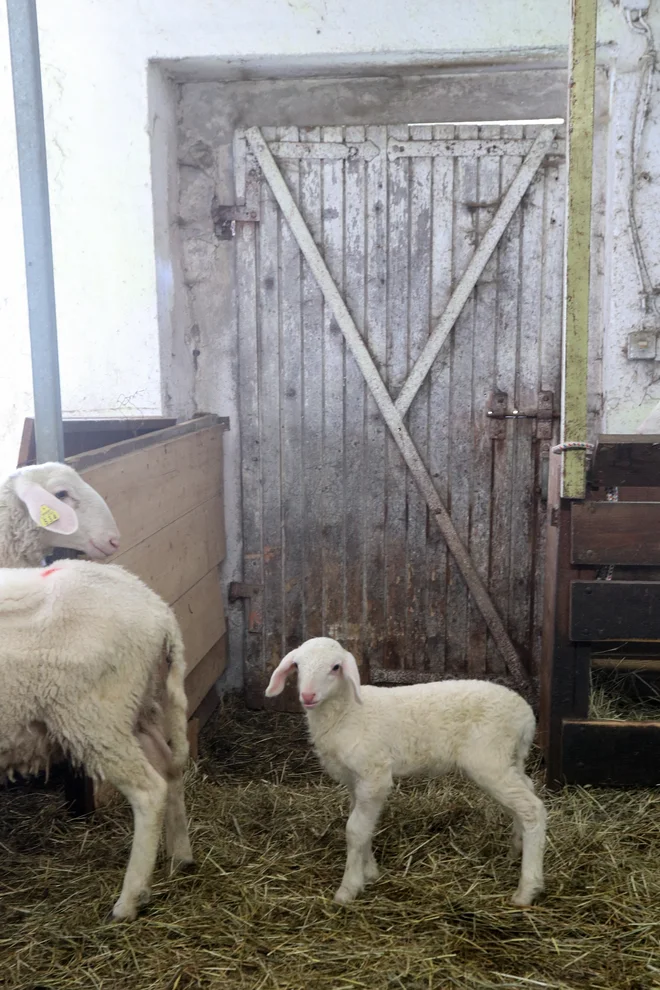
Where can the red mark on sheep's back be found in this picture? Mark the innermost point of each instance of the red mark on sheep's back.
(49, 570)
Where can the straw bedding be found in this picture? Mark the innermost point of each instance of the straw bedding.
(258, 913)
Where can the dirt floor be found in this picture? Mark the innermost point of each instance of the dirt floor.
(268, 834)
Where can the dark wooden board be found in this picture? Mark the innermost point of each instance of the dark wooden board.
(565, 669)
(615, 610)
(83, 435)
(112, 451)
(615, 533)
(623, 460)
(611, 753)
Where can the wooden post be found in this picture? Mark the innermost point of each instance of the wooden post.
(579, 152)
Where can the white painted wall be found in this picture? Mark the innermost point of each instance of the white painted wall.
(95, 55)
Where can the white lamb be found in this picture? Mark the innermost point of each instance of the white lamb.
(82, 649)
(365, 737)
(49, 505)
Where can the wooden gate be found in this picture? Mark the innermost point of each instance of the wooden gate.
(338, 539)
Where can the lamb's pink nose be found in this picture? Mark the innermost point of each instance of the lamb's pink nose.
(114, 543)
(307, 698)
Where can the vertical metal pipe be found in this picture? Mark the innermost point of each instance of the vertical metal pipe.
(33, 174)
(579, 155)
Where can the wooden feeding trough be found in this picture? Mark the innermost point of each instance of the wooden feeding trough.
(602, 596)
(164, 485)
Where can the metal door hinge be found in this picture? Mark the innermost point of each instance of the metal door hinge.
(252, 593)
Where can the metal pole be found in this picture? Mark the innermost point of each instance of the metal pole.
(579, 157)
(33, 174)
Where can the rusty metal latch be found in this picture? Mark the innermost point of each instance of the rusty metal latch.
(225, 218)
(544, 414)
(252, 593)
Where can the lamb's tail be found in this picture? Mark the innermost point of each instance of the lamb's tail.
(525, 739)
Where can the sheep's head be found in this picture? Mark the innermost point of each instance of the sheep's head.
(68, 512)
(323, 666)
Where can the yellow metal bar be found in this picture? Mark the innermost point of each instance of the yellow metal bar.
(579, 149)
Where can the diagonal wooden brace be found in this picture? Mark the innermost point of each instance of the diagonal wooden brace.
(472, 273)
(387, 408)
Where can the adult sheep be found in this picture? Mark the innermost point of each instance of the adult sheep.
(44, 506)
(82, 649)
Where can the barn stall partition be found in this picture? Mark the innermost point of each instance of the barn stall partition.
(602, 613)
(164, 487)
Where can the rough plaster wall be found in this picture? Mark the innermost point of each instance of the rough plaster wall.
(178, 353)
(94, 62)
(630, 388)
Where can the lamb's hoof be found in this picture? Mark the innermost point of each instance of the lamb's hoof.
(371, 872)
(524, 898)
(344, 896)
(185, 866)
(129, 910)
(123, 912)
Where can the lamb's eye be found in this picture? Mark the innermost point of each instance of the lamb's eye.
(337, 666)
(61, 495)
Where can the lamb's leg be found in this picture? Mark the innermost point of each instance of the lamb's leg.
(370, 797)
(511, 788)
(369, 864)
(146, 790)
(516, 845)
(159, 754)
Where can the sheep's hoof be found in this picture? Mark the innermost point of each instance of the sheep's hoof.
(523, 898)
(183, 866)
(344, 896)
(129, 910)
(123, 912)
(371, 871)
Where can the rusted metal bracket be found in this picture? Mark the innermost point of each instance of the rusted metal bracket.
(225, 218)
(252, 593)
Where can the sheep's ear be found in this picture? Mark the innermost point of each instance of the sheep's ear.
(46, 510)
(280, 674)
(352, 674)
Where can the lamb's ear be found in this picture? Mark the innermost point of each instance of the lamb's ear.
(46, 510)
(280, 674)
(352, 674)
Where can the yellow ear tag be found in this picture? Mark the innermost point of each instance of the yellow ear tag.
(47, 516)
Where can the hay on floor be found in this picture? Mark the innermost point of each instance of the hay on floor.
(268, 835)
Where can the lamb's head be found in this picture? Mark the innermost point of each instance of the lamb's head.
(324, 669)
(64, 510)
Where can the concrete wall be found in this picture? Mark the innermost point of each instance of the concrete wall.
(95, 75)
(111, 292)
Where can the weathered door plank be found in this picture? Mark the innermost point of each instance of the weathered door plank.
(385, 403)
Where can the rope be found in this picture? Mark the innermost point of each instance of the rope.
(560, 448)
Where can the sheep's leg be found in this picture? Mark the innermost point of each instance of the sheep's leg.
(146, 790)
(177, 841)
(512, 790)
(516, 845)
(369, 864)
(370, 797)
(159, 754)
